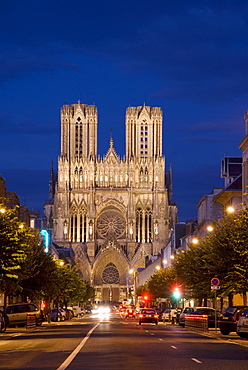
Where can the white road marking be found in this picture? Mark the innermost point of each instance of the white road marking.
(69, 359)
(151, 333)
(160, 339)
(195, 359)
(174, 347)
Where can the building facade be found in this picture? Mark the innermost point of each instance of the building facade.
(116, 213)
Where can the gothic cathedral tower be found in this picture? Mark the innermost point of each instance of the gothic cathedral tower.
(115, 213)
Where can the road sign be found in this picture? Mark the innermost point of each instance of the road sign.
(215, 287)
(215, 282)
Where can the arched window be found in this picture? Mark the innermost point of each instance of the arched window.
(143, 225)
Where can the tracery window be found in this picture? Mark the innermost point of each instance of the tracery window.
(110, 274)
(111, 222)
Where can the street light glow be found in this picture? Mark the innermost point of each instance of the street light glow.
(210, 228)
(195, 241)
(230, 209)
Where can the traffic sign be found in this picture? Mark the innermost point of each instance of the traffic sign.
(215, 282)
(215, 287)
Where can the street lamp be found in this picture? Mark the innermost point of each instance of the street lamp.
(132, 272)
(210, 228)
(195, 241)
(230, 209)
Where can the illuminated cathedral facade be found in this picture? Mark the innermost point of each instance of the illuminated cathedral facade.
(115, 213)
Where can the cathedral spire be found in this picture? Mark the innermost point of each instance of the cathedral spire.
(111, 142)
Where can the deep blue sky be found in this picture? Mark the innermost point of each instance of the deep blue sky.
(188, 57)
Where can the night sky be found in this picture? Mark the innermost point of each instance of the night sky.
(188, 57)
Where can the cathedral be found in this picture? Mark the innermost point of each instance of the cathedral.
(115, 213)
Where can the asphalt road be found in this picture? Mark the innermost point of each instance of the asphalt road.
(116, 343)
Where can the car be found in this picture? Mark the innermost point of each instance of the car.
(228, 321)
(159, 312)
(148, 315)
(210, 313)
(56, 315)
(88, 309)
(130, 312)
(17, 313)
(186, 311)
(166, 315)
(242, 324)
(3, 321)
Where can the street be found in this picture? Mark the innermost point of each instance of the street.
(116, 343)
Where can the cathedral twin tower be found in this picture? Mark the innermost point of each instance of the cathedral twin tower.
(115, 213)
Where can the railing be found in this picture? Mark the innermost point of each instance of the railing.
(31, 320)
(197, 322)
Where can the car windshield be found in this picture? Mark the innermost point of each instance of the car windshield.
(148, 311)
(245, 312)
(202, 312)
(230, 311)
(188, 310)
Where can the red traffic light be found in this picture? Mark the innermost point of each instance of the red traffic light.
(145, 297)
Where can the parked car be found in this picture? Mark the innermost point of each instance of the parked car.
(63, 313)
(56, 315)
(210, 313)
(242, 324)
(88, 309)
(17, 313)
(3, 321)
(68, 313)
(229, 318)
(148, 315)
(186, 311)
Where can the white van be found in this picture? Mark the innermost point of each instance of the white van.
(17, 313)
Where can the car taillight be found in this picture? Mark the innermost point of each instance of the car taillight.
(156, 316)
(204, 315)
(140, 316)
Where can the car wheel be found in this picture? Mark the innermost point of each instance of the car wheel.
(224, 332)
(139, 323)
(156, 323)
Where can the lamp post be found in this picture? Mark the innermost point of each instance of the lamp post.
(132, 272)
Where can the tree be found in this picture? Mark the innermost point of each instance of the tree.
(68, 286)
(12, 251)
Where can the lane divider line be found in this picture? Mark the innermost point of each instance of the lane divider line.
(173, 347)
(195, 359)
(71, 357)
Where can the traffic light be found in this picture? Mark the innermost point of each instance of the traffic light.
(145, 297)
(176, 293)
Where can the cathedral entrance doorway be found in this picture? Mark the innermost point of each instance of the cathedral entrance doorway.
(110, 294)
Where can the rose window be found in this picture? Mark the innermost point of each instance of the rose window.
(111, 223)
(110, 274)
